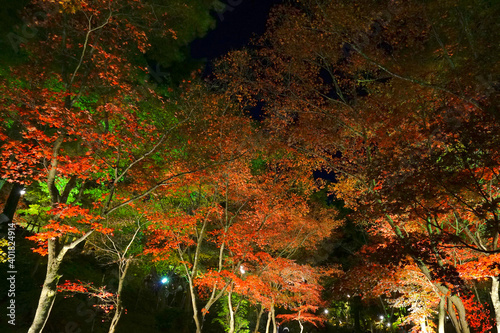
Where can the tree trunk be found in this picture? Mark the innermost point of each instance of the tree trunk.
(456, 312)
(495, 299)
(423, 325)
(456, 309)
(273, 316)
(442, 314)
(231, 311)
(119, 304)
(460, 311)
(268, 321)
(192, 293)
(259, 316)
(56, 255)
(49, 289)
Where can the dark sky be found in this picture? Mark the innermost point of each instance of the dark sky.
(235, 27)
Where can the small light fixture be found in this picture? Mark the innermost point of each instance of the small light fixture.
(348, 296)
(326, 311)
(388, 324)
(381, 317)
(23, 191)
(242, 269)
(164, 280)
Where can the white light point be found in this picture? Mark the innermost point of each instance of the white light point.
(23, 191)
(242, 270)
(326, 311)
(164, 280)
(381, 317)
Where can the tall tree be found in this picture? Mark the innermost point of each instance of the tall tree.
(391, 107)
(242, 220)
(74, 120)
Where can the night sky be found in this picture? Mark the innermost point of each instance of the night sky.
(240, 22)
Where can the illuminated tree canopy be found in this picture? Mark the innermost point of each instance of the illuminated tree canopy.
(341, 172)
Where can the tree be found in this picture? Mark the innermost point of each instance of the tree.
(392, 111)
(242, 216)
(74, 122)
(120, 250)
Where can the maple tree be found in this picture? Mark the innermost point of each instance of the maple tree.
(241, 220)
(401, 106)
(399, 117)
(76, 123)
(121, 250)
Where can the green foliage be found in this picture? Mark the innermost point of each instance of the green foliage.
(241, 323)
(258, 166)
(33, 209)
(86, 102)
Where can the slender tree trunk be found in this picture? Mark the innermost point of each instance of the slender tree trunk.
(55, 254)
(231, 311)
(273, 316)
(460, 311)
(495, 299)
(442, 314)
(423, 325)
(49, 289)
(119, 304)
(192, 293)
(456, 312)
(259, 316)
(268, 321)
